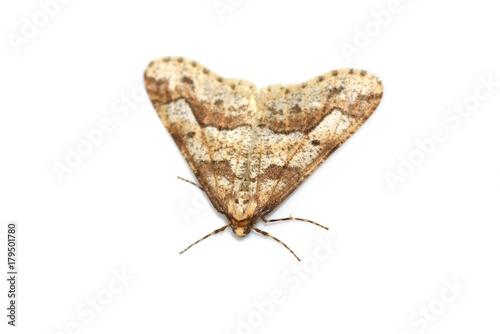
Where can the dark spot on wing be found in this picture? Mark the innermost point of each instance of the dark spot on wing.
(187, 80)
(295, 109)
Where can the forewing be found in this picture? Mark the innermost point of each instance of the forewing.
(301, 125)
(209, 117)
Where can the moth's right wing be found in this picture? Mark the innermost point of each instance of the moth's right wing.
(209, 117)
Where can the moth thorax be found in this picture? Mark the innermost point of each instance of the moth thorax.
(242, 206)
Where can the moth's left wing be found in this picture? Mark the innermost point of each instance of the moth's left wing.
(301, 125)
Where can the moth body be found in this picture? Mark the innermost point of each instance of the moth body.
(241, 213)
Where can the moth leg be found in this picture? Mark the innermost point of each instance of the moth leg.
(194, 184)
(264, 233)
(213, 232)
(292, 218)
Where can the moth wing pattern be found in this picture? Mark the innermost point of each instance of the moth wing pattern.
(266, 141)
(312, 119)
(205, 114)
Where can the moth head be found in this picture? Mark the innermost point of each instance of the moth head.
(242, 227)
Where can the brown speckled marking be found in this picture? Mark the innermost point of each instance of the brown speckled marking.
(187, 80)
(250, 148)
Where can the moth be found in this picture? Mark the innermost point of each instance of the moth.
(248, 147)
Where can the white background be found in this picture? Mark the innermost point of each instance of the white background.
(122, 208)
